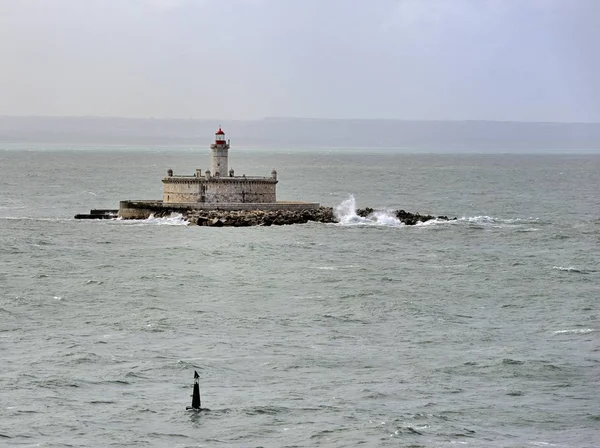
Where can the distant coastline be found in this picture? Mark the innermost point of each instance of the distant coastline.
(291, 133)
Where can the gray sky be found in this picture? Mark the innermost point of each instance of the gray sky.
(533, 60)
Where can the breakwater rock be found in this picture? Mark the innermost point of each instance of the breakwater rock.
(409, 219)
(246, 218)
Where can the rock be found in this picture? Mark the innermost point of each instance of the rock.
(364, 212)
(411, 219)
(199, 220)
(246, 218)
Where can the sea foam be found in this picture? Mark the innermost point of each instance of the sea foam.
(569, 269)
(175, 219)
(575, 331)
(346, 215)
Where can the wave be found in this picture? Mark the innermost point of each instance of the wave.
(433, 222)
(575, 331)
(345, 213)
(31, 218)
(175, 219)
(491, 220)
(570, 269)
(334, 268)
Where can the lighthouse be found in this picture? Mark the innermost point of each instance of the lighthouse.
(220, 150)
(219, 185)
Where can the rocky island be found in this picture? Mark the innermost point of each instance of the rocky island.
(217, 197)
(245, 218)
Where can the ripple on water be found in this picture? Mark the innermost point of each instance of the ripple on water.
(449, 333)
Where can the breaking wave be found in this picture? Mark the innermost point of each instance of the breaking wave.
(575, 331)
(570, 269)
(175, 219)
(346, 215)
(498, 222)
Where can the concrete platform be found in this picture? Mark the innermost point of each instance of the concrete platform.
(98, 214)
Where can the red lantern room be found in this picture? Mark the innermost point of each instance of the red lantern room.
(220, 137)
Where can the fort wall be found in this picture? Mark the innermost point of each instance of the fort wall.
(180, 189)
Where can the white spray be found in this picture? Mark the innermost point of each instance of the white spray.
(346, 215)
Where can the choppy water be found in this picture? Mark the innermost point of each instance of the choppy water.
(484, 331)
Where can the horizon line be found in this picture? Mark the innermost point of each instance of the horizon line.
(468, 120)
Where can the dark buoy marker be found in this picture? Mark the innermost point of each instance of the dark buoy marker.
(196, 405)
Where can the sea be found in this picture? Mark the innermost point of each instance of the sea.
(483, 331)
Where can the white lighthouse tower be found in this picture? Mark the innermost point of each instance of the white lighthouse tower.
(220, 150)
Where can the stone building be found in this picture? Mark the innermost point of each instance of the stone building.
(219, 185)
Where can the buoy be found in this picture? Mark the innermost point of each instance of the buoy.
(196, 404)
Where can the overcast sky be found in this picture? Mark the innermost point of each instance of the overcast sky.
(532, 60)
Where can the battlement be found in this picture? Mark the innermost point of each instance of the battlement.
(237, 179)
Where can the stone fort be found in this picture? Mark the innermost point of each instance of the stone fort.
(217, 189)
(218, 198)
(219, 185)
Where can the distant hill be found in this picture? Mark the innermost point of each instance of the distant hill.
(289, 133)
